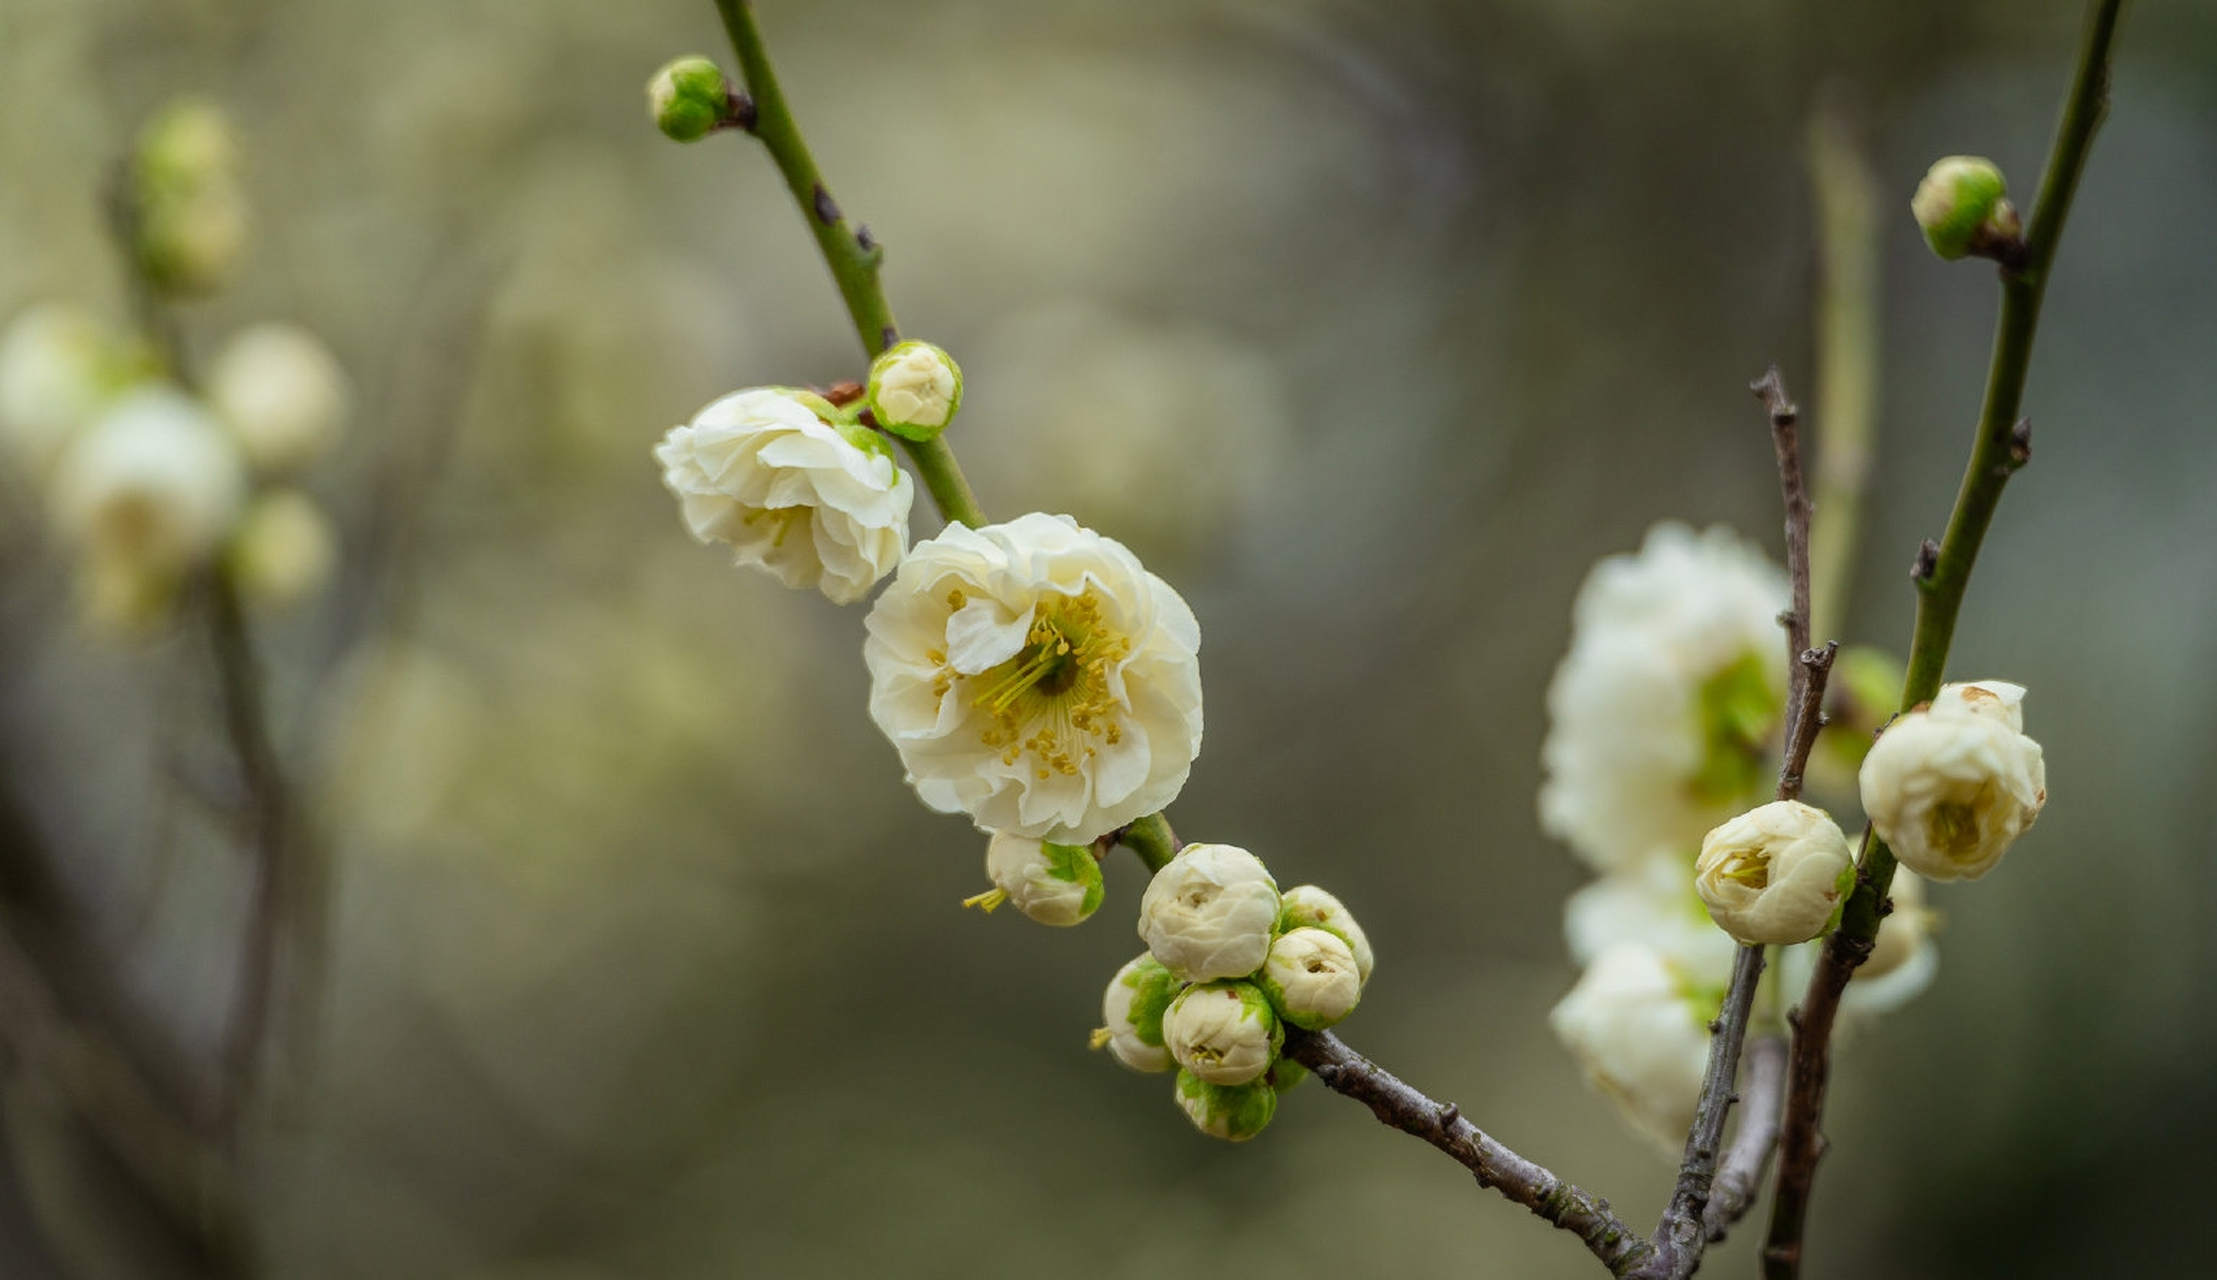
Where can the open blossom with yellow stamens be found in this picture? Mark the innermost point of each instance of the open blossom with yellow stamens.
(813, 503)
(1035, 676)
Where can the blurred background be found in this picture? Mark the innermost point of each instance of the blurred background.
(1371, 326)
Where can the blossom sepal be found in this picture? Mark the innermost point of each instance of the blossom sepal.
(1234, 1113)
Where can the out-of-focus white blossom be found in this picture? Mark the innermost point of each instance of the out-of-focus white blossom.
(154, 483)
(1662, 713)
(58, 366)
(1035, 676)
(1311, 978)
(1055, 884)
(1223, 1032)
(1132, 1009)
(1951, 786)
(1775, 875)
(283, 551)
(915, 390)
(282, 393)
(1651, 902)
(1641, 1034)
(1234, 1113)
(1906, 932)
(1307, 906)
(1210, 913)
(762, 471)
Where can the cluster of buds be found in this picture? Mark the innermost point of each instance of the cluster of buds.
(1230, 963)
(148, 486)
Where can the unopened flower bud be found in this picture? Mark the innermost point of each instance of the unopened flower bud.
(690, 99)
(915, 389)
(1210, 913)
(283, 551)
(282, 393)
(1311, 978)
(1132, 1007)
(1055, 884)
(1223, 1032)
(188, 212)
(1949, 787)
(58, 366)
(1234, 1113)
(1776, 875)
(1284, 1073)
(1307, 907)
(1963, 207)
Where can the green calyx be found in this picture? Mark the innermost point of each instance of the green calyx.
(1073, 864)
(690, 99)
(1153, 988)
(1736, 711)
(1233, 1112)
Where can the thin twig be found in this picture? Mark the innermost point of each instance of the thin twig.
(1683, 1232)
(1740, 1173)
(2000, 446)
(852, 257)
(1563, 1204)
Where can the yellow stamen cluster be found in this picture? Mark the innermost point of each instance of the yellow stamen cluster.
(1052, 693)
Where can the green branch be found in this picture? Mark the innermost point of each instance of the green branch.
(852, 256)
(2001, 446)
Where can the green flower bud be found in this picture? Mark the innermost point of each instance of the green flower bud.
(283, 550)
(915, 389)
(1223, 1032)
(1284, 1073)
(1963, 206)
(1055, 884)
(691, 99)
(1234, 1113)
(1133, 1006)
(1311, 978)
(1308, 907)
(188, 214)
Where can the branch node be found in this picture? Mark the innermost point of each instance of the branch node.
(827, 209)
(1928, 560)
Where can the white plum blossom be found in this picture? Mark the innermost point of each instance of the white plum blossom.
(1222, 1032)
(763, 471)
(1132, 1009)
(1035, 676)
(1951, 786)
(1311, 978)
(1662, 711)
(1905, 935)
(1054, 884)
(1775, 875)
(1210, 913)
(282, 393)
(58, 366)
(1641, 1033)
(1651, 902)
(1307, 906)
(154, 483)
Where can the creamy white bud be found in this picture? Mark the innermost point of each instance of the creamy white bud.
(153, 485)
(1055, 884)
(282, 393)
(1775, 875)
(1234, 1113)
(1132, 1010)
(915, 390)
(1210, 913)
(1642, 1039)
(283, 551)
(1311, 978)
(1305, 906)
(1222, 1032)
(1996, 700)
(1951, 787)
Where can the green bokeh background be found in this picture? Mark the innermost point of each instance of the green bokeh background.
(1371, 326)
